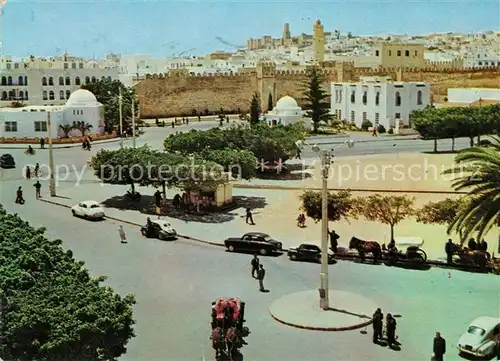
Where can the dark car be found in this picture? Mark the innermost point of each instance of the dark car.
(308, 252)
(7, 161)
(159, 229)
(253, 241)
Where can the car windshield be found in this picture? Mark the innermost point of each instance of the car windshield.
(94, 206)
(476, 331)
(266, 238)
(166, 225)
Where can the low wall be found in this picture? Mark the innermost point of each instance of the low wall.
(71, 140)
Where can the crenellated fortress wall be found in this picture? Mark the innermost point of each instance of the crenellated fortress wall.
(178, 94)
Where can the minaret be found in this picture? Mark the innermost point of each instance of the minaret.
(285, 38)
(319, 42)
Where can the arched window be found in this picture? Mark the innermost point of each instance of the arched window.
(68, 93)
(44, 81)
(77, 81)
(9, 80)
(20, 80)
(12, 95)
(419, 97)
(377, 98)
(51, 95)
(61, 94)
(398, 99)
(93, 79)
(377, 53)
(68, 81)
(365, 98)
(45, 95)
(26, 95)
(21, 95)
(25, 80)
(61, 80)
(87, 80)
(51, 81)
(4, 95)
(4, 80)
(353, 96)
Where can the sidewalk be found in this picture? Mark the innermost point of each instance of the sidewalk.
(58, 146)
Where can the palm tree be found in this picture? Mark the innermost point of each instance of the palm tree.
(482, 210)
(66, 129)
(82, 127)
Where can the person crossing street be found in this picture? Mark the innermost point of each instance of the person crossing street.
(260, 275)
(378, 321)
(255, 266)
(38, 187)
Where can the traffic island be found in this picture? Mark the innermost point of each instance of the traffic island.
(348, 311)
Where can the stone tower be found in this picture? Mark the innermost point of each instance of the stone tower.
(286, 38)
(319, 42)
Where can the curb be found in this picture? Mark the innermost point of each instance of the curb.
(72, 145)
(312, 328)
(374, 141)
(139, 225)
(273, 187)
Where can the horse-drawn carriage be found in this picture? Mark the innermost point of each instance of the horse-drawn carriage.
(228, 331)
(474, 258)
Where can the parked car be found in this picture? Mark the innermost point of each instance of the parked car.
(159, 229)
(7, 161)
(308, 252)
(88, 210)
(253, 241)
(481, 338)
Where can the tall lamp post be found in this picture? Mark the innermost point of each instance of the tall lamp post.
(133, 121)
(326, 156)
(121, 116)
(52, 181)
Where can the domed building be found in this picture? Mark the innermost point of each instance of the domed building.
(32, 121)
(285, 112)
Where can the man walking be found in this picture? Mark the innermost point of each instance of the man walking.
(439, 347)
(42, 143)
(390, 324)
(123, 236)
(255, 266)
(378, 320)
(19, 195)
(448, 248)
(260, 275)
(157, 196)
(38, 187)
(249, 217)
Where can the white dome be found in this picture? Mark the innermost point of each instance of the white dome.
(81, 97)
(286, 103)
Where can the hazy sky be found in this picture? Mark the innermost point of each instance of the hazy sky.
(164, 28)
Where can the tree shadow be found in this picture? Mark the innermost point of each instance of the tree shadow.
(146, 205)
(289, 172)
(270, 254)
(440, 152)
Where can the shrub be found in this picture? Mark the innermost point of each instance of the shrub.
(391, 130)
(381, 129)
(366, 124)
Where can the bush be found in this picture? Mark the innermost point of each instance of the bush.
(381, 129)
(391, 130)
(366, 124)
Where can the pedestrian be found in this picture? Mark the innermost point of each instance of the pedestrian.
(37, 169)
(483, 246)
(19, 196)
(123, 236)
(42, 143)
(472, 245)
(374, 134)
(390, 325)
(378, 323)
(334, 240)
(28, 172)
(439, 347)
(158, 198)
(255, 266)
(249, 217)
(199, 118)
(260, 275)
(38, 187)
(449, 248)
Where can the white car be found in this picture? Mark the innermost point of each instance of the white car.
(88, 210)
(482, 337)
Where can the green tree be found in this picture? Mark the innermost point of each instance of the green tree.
(429, 124)
(107, 93)
(386, 209)
(270, 102)
(443, 212)
(482, 210)
(255, 109)
(66, 129)
(316, 99)
(340, 205)
(82, 127)
(239, 162)
(52, 309)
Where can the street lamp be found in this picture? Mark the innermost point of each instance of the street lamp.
(326, 156)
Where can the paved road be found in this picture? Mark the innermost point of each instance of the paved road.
(175, 282)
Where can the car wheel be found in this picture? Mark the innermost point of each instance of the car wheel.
(144, 233)
(263, 252)
(318, 258)
(73, 212)
(293, 257)
(161, 236)
(230, 248)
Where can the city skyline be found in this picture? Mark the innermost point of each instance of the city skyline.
(166, 29)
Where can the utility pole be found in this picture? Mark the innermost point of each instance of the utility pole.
(325, 169)
(121, 116)
(133, 121)
(52, 182)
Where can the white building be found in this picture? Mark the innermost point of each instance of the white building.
(481, 55)
(40, 81)
(285, 112)
(379, 100)
(31, 121)
(473, 95)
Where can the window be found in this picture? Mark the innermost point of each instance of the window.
(68, 93)
(16, 66)
(61, 94)
(480, 63)
(51, 95)
(4, 95)
(377, 53)
(20, 80)
(77, 81)
(9, 80)
(93, 79)
(61, 80)
(399, 52)
(4, 80)
(74, 112)
(68, 81)
(398, 99)
(419, 97)
(45, 95)
(73, 65)
(87, 80)
(377, 98)
(390, 53)
(353, 96)
(21, 95)
(377, 119)
(365, 97)
(407, 53)
(8, 66)
(12, 95)
(364, 116)
(26, 95)
(353, 116)
(51, 81)
(11, 126)
(80, 65)
(44, 81)
(415, 53)
(340, 96)
(25, 80)
(397, 116)
(41, 126)
(340, 114)
(65, 65)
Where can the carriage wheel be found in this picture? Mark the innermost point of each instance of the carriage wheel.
(422, 255)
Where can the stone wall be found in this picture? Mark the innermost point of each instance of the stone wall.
(177, 95)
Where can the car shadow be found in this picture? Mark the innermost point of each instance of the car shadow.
(466, 356)
(92, 219)
(273, 254)
(330, 262)
(411, 266)
(146, 205)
